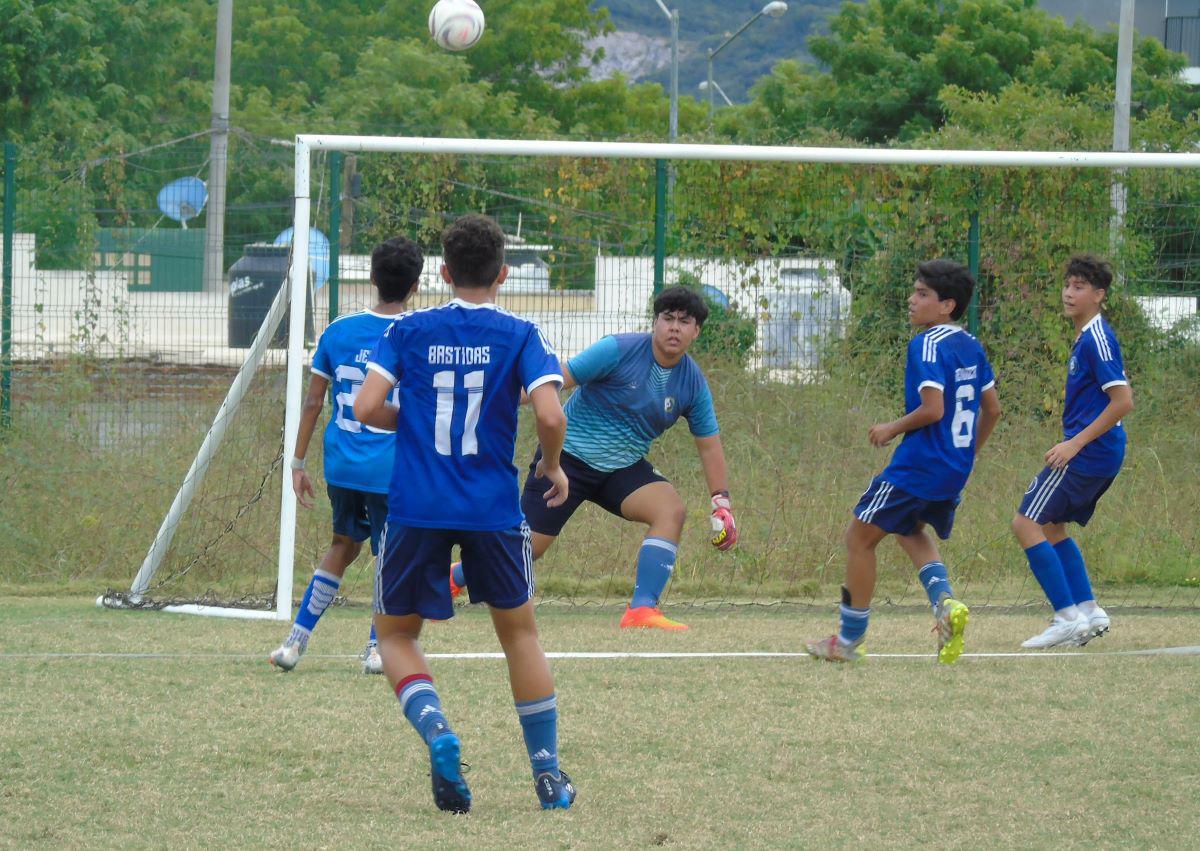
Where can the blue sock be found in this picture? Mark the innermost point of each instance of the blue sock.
(656, 560)
(322, 588)
(456, 573)
(419, 700)
(539, 725)
(1048, 570)
(935, 579)
(372, 639)
(1075, 570)
(852, 623)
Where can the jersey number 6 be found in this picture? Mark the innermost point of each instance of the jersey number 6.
(962, 427)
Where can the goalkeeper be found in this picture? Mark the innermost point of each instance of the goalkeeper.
(632, 388)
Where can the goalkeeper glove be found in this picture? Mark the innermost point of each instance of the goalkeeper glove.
(725, 533)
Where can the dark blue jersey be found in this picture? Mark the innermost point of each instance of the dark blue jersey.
(1095, 366)
(934, 461)
(460, 369)
(357, 457)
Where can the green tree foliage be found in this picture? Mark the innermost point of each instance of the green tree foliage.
(886, 62)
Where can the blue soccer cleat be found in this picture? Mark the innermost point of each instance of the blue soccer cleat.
(555, 793)
(450, 791)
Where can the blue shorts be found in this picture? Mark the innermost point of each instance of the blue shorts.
(358, 514)
(412, 574)
(899, 512)
(1063, 496)
(607, 490)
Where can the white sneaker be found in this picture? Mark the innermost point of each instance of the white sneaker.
(1061, 633)
(286, 656)
(1098, 624)
(372, 662)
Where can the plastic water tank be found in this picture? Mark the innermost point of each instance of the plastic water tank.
(254, 281)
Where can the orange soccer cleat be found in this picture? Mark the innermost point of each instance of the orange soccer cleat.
(649, 617)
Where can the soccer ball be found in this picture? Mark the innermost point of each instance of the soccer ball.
(456, 24)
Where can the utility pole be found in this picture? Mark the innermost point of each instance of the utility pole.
(1124, 89)
(214, 239)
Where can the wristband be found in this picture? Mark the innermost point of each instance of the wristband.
(297, 464)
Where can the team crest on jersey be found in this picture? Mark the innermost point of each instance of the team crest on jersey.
(1072, 365)
(669, 404)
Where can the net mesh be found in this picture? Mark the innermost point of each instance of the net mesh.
(807, 268)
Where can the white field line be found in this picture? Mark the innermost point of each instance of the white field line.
(617, 654)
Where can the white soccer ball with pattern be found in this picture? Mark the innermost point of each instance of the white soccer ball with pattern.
(456, 24)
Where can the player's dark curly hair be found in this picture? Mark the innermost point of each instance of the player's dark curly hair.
(395, 268)
(473, 250)
(683, 299)
(1095, 270)
(949, 280)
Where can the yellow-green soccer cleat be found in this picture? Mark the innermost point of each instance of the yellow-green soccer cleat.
(952, 619)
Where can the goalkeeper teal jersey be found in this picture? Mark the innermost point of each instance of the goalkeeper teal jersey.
(625, 400)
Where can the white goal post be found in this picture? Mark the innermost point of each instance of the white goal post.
(307, 144)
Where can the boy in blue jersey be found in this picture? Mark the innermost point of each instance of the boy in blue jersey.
(632, 388)
(1080, 469)
(358, 459)
(951, 407)
(461, 369)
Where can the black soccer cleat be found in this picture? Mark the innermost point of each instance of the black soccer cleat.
(555, 793)
(450, 791)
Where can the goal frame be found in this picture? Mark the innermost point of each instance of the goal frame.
(308, 144)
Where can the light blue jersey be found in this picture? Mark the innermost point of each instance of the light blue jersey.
(934, 461)
(357, 457)
(1095, 366)
(460, 369)
(625, 400)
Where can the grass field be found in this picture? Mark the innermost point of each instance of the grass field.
(200, 743)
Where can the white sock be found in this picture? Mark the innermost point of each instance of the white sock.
(1088, 607)
(1070, 613)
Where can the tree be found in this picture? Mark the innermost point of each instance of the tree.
(888, 62)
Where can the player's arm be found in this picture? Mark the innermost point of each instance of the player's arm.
(309, 411)
(371, 406)
(551, 431)
(712, 461)
(568, 381)
(989, 415)
(931, 410)
(1120, 403)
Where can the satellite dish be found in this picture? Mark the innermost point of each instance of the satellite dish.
(183, 199)
(318, 254)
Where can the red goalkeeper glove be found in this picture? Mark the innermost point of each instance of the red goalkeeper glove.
(725, 533)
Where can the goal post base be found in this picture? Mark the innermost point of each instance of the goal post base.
(117, 601)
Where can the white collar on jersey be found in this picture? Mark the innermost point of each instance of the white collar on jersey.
(949, 325)
(383, 315)
(470, 305)
(1093, 321)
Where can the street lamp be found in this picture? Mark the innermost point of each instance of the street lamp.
(704, 86)
(774, 10)
(673, 17)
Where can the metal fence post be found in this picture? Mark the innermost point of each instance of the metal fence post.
(973, 265)
(660, 223)
(335, 230)
(6, 306)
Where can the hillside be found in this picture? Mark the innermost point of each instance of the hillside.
(641, 46)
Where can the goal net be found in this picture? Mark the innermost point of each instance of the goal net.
(806, 256)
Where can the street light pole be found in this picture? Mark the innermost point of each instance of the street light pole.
(773, 9)
(705, 86)
(673, 17)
